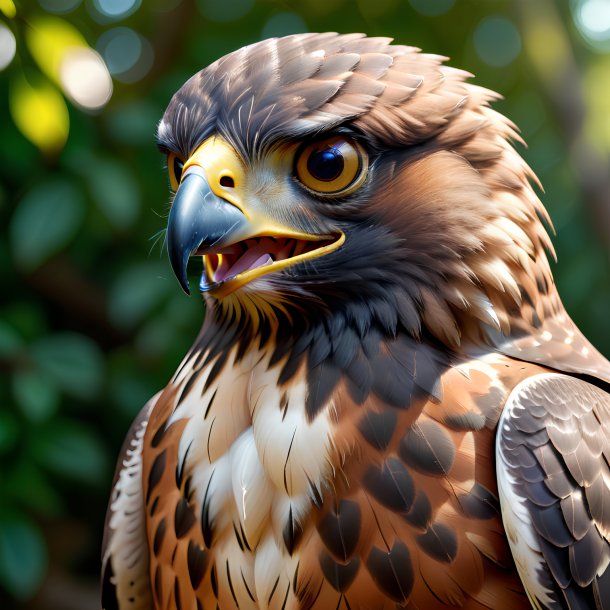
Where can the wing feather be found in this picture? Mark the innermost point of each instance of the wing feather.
(554, 488)
(125, 578)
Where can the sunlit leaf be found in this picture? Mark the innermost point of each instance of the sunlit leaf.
(36, 395)
(74, 362)
(39, 111)
(48, 39)
(23, 556)
(71, 450)
(45, 220)
(7, 7)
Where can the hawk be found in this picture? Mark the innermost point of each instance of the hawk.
(387, 405)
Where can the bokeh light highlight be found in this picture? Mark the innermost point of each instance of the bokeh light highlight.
(497, 41)
(85, 78)
(8, 46)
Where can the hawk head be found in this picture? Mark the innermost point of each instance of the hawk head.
(325, 173)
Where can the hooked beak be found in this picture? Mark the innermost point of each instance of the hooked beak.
(199, 219)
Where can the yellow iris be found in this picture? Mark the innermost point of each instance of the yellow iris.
(336, 166)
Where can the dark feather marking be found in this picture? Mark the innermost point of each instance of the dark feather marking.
(243, 536)
(393, 380)
(288, 370)
(159, 536)
(359, 378)
(180, 467)
(392, 571)
(315, 495)
(209, 437)
(345, 347)
(231, 584)
(321, 381)
(215, 371)
(153, 507)
(196, 562)
(286, 597)
(207, 527)
(339, 575)
(320, 348)
(207, 409)
(214, 580)
(420, 514)
(428, 448)
(378, 428)
(156, 472)
(187, 386)
(246, 585)
(479, 503)
(184, 518)
(391, 485)
(549, 523)
(177, 594)
(277, 580)
(440, 542)
(158, 587)
(284, 405)
(295, 577)
(238, 538)
(156, 439)
(292, 533)
(286, 461)
(340, 530)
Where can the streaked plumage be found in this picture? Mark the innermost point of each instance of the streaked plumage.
(403, 416)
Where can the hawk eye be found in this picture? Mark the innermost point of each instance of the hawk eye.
(332, 167)
(175, 165)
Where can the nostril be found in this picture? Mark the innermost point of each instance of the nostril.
(227, 181)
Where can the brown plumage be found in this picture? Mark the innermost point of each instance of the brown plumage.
(387, 405)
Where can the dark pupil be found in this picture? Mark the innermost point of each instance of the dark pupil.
(325, 165)
(178, 167)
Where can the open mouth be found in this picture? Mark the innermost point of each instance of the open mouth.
(234, 265)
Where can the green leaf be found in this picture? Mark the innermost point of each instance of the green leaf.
(71, 450)
(138, 290)
(115, 192)
(23, 556)
(26, 317)
(36, 395)
(10, 341)
(9, 430)
(28, 486)
(45, 221)
(74, 362)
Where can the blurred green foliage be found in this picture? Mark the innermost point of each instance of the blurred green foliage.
(92, 322)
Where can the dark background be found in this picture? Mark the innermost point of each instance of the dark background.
(92, 322)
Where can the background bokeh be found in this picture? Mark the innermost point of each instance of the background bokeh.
(92, 322)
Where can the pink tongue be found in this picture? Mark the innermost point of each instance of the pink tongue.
(250, 259)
